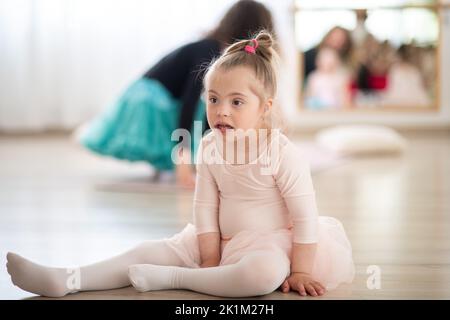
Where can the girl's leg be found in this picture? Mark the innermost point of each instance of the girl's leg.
(258, 273)
(108, 274)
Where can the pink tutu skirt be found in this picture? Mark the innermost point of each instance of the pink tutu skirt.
(333, 264)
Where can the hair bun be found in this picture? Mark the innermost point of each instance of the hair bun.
(258, 53)
(265, 44)
(264, 38)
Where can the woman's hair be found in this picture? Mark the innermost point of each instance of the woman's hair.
(404, 52)
(344, 52)
(242, 20)
(264, 63)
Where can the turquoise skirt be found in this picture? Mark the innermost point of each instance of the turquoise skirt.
(138, 127)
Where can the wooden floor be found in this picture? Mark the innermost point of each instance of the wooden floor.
(62, 206)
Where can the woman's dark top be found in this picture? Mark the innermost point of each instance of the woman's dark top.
(181, 73)
(309, 64)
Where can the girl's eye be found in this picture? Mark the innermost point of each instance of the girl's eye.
(237, 102)
(213, 100)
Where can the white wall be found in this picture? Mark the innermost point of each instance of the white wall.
(63, 61)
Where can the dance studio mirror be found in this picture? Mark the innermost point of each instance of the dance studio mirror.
(368, 55)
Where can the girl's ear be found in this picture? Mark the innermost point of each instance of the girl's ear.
(268, 104)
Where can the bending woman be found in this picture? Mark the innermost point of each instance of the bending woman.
(139, 126)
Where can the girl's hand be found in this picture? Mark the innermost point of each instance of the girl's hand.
(185, 176)
(209, 264)
(304, 284)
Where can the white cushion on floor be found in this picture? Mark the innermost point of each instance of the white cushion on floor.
(361, 139)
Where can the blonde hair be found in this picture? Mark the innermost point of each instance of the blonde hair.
(264, 62)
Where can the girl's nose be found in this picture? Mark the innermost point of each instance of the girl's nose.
(223, 111)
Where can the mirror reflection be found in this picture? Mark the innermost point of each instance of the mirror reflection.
(375, 58)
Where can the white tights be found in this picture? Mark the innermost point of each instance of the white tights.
(153, 265)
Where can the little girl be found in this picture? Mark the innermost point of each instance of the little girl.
(327, 87)
(255, 227)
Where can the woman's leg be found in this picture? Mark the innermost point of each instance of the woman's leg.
(108, 274)
(258, 273)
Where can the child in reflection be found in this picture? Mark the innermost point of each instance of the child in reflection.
(327, 87)
(405, 84)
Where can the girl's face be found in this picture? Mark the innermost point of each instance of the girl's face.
(327, 60)
(233, 100)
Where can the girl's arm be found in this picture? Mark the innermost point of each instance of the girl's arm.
(303, 257)
(206, 212)
(293, 177)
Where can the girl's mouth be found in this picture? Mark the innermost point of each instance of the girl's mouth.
(223, 127)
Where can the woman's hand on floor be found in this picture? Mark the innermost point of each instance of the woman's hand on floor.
(185, 176)
(303, 283)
